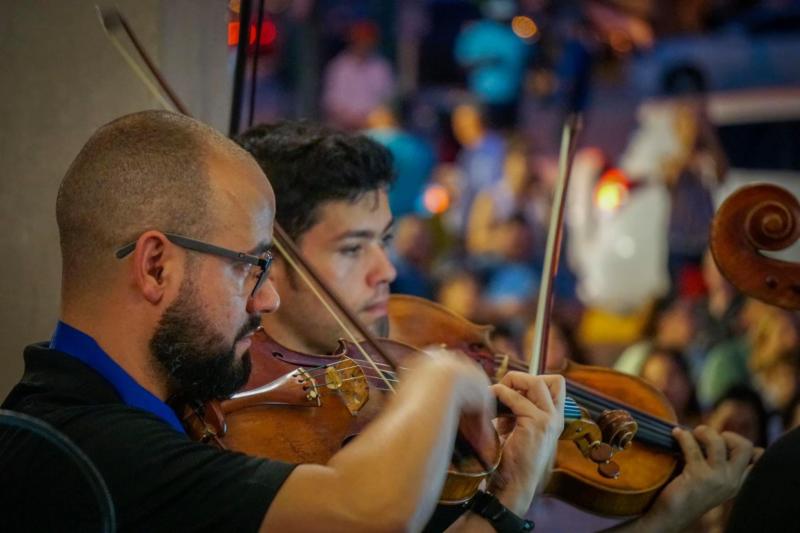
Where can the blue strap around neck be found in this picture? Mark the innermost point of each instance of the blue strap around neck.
(81, 346)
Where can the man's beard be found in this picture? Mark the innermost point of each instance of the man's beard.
(198, 363)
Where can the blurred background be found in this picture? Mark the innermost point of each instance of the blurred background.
(683, 102)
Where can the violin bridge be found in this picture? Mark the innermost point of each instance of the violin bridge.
(347, 378)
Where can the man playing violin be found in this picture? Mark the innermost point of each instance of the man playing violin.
(331, 190)
(165, 229)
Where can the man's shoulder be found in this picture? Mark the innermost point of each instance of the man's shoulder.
(159, 479)
(53, 381)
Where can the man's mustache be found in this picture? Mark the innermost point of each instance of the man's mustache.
(249, 327)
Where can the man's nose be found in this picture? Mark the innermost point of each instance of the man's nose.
(383, 270)
(265, 300)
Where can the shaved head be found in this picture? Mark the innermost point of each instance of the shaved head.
(144, 171)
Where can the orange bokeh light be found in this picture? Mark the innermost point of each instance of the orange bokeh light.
(620, 42)
(611, 191)
(524, 27)
(268, 33)
(436, 199)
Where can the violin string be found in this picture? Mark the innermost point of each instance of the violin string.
(385, 365)
(650, 429)
(576, 390)
(647, 433)
(662, 429)
(512, 364)
(365, 375)
(286, 255)
(603, 403)
(321, 371)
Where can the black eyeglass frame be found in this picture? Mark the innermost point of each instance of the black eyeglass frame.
(205, 248)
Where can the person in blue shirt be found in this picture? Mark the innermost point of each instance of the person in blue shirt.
(412, 159)
(494, 58)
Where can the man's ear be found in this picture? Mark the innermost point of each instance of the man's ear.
(155, 267)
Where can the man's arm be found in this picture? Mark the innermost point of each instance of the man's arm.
(390, 477)
(708, 479)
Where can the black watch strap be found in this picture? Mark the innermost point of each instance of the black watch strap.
(498, 515)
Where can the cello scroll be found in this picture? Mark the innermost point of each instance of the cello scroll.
(755, 218)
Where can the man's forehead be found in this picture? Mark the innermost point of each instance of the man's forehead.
(242, 194)
(369, 213)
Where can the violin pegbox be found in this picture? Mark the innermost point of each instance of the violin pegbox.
(600, 440)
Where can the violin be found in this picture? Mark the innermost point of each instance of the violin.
(634, 419)
(306, 415)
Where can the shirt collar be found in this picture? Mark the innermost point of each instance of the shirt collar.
(81, 346)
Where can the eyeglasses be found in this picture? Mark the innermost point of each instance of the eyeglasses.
(264, 261)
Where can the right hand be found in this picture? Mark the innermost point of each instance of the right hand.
(442, 371)
(531, 437)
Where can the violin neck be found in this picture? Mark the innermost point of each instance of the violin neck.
(651, 430)
(571, 409)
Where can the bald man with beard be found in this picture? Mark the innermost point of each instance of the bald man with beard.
(166, 230)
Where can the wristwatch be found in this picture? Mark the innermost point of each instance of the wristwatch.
(498, 515)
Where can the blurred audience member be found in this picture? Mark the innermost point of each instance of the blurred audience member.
(724, 367)
(357, 80)
(741, 411)
(692, 175)
(562, 345)
(671, 325)
(666, 370)
(778, 381)
(495, 59)
(481, 158)
(773, 338)
(511, 196)
(413, 159)
(460, 291)
(718, 317)
(412, 254)
(512, 281)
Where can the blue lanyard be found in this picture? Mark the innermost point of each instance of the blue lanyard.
(81, 346)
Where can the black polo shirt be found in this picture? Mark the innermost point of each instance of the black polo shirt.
(769, 497)
(158, 478)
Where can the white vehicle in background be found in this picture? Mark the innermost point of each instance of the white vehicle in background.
(761, 49)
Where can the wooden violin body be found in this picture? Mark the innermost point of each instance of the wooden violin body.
(301, 408)
(421, 322)
(642, 466)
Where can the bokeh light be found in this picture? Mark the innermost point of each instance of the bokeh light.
(436, 199)
(524, 27)
(611, 191)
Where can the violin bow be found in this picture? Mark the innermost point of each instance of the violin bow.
(544, 307)
(111, 20)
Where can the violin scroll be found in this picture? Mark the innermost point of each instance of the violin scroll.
(756, 218)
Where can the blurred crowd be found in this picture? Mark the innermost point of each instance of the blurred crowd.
(637, 288)
(472, 203)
